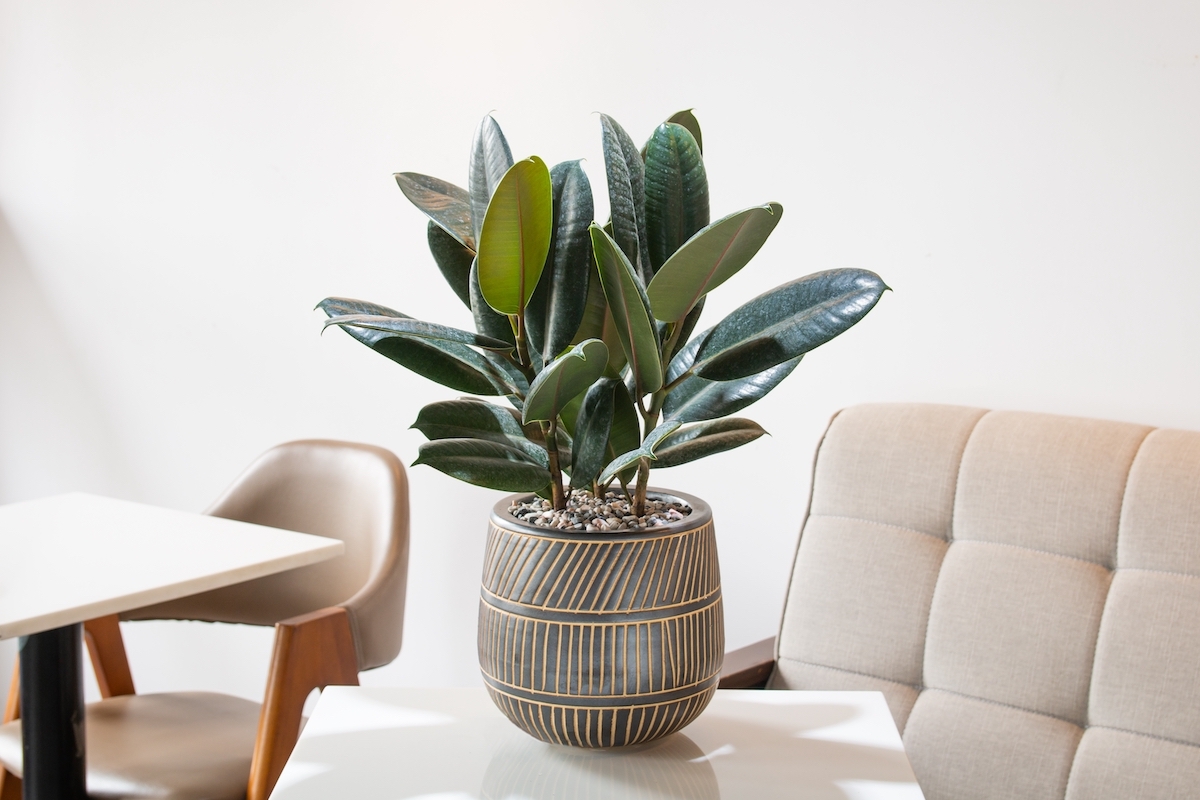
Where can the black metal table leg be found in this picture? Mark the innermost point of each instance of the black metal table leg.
(52, 715)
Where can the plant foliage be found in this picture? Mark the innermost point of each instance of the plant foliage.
(587, 328)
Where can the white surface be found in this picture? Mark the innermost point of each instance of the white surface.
(75, 557)
(181, 182)
(423, 744)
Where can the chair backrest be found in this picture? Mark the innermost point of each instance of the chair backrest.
(1023, 588)
(354, 492)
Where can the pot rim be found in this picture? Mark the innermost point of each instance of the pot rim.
(701, 515)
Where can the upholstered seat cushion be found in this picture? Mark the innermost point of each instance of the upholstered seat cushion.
(171, 746)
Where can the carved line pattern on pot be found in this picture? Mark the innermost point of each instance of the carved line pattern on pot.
(599, 574)
(590, 727)
(615, 661)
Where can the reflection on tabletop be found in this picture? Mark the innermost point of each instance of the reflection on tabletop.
(452, 744)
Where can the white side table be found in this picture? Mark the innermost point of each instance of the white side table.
(71, 558)
(453, 744)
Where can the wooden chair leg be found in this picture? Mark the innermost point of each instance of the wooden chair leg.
(107, 650)
(10, 785)
(312, 651)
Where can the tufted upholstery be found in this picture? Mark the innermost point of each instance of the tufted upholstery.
(1023, 588)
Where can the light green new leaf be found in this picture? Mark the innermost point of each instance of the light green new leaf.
(416, 329)
(516, 236)
(676, 191)
(484, 463)
(444, 203)
(475, 419)
(710, 258)
(454, 365)
(786, 322)
(592, 427)
(564, 378)
(706, 439)
(630, 311)
(649, 445)
(490, 159)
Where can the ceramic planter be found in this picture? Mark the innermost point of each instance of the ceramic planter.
(601, 639)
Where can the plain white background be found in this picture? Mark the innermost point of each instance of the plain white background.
(181, 182)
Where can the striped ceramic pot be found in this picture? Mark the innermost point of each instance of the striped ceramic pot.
(601, 639)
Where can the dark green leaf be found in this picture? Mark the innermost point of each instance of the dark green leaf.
(475, 419)
(564, 378)
(649, 445)
(416, 329)
(705, 439)
(630, 311)
(444, 203)
(710, 258)
(676, 192)
(688, 120)
(591, 432)
(447, 363)
(626, 194)
(490, 159)
(786, 322)
(516, 236)
(454, 261)
(696, 399)
(689, 325)
(487, 320)
(626, 433)
(484, 463)
(554, 314)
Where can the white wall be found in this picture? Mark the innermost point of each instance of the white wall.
(181, 182)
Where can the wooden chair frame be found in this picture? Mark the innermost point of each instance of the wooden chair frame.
(311, 651)
(747, 667)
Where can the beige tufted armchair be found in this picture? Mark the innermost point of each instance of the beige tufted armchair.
(1023, 588)
(332, 620)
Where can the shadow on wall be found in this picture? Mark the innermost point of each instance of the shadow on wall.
(54, 436)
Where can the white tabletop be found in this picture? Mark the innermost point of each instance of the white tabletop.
(74, 557)
(453, 744)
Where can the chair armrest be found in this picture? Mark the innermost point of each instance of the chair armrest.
(109, 661)
(312, 651)
(749, 667)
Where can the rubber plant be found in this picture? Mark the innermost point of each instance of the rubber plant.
(587, 330)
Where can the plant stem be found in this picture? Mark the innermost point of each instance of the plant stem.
(522, 342)
(557, 495)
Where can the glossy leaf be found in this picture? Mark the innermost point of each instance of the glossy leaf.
(416, 329)
(688, 120)
(487, 320)
(484, 463)
(454, 365)
(630, 311)
(516, 236)
(626, 176)
(705, 439)
(676, 192)
(557, 309)
(562, 379)
(592, 427)
(626, 433)
(710, 258)
(689, 325)
(786, 322)
(490, 159)
(453, 259)
(696, 399)
(475, 419)
(444, 203)
(649, 445)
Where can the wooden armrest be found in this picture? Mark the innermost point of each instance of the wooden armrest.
(107, 650)
(749, 667)
(312, 651)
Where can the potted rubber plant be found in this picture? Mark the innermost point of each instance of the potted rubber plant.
(600, 615)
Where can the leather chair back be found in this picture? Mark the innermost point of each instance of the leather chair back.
(1023, 588)
(354, 492)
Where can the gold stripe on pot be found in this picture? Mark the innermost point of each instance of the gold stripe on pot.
(601, 639)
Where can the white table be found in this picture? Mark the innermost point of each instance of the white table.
(453, 744)
(75, 557)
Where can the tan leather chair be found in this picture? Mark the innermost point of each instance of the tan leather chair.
(1023, 588)
(332, 620)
